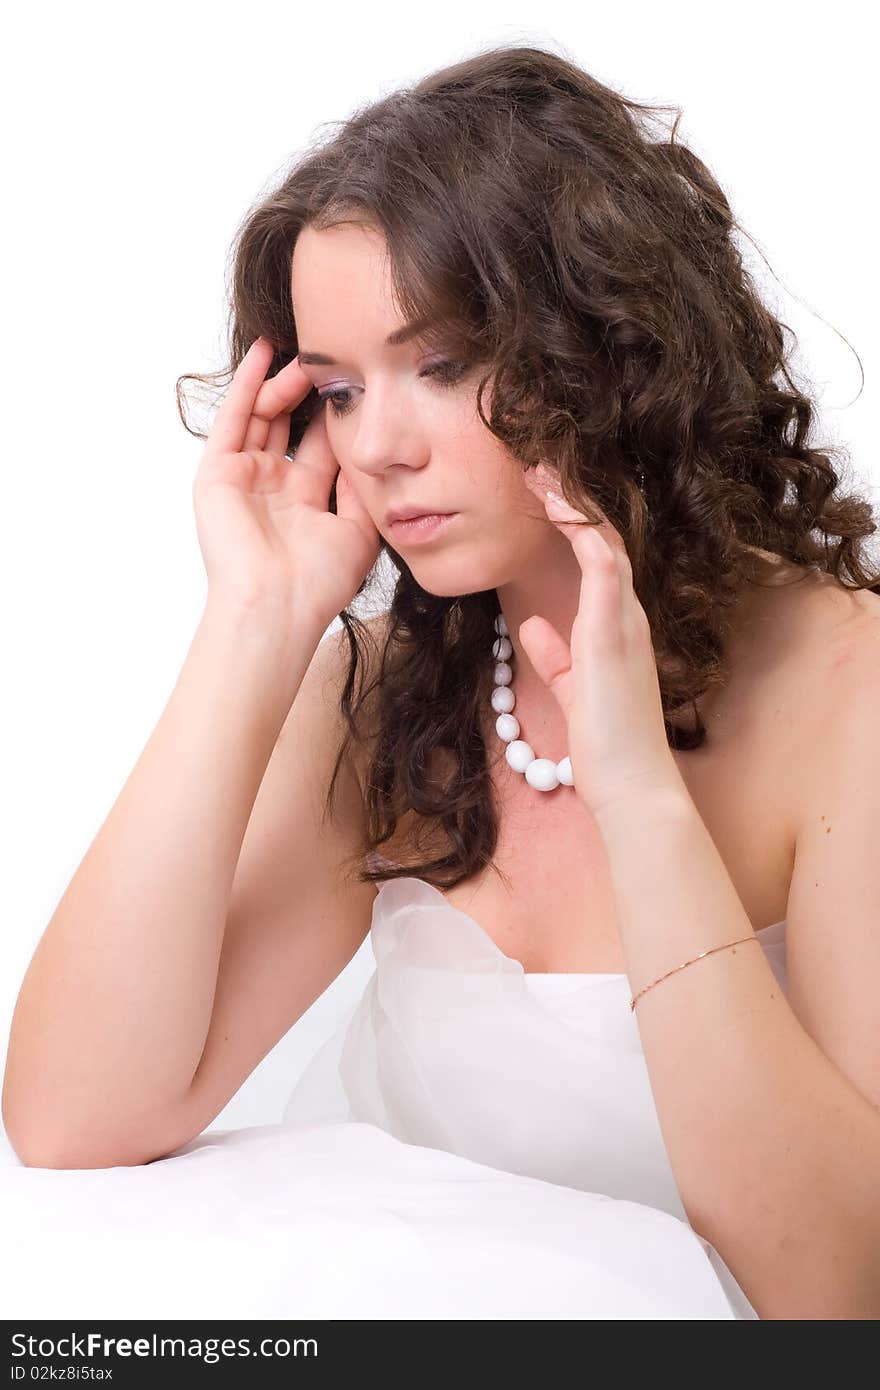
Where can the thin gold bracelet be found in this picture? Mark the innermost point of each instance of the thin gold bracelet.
(712, 949)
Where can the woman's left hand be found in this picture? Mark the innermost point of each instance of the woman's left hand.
(606, 681)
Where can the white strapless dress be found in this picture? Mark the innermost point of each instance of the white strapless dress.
(472, 1141)
(454, 1046)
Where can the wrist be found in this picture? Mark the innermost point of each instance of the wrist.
(271, 620)
(264, 651)
(659, 802)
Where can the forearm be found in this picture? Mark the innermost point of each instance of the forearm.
(775, 1152)
(115, 1005)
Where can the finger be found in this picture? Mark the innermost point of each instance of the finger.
(349, 505)
(278, 437)
(600, 600)
(281, 393)
(605, 545)
(548, 652)
(227, 434)
(606, 574)
(550, 656)
(544, 482)
(316, 463)
(613, 541)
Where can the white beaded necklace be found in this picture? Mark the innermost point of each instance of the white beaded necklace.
(541, 773)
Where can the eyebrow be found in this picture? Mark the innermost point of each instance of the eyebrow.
(395, 339)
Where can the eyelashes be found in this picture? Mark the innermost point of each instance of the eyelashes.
(445, 374)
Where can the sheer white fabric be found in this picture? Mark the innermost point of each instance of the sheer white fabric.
(472, 1142)
(454, 1046)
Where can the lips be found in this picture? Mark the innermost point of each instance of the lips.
(410, 514)
(419, 530)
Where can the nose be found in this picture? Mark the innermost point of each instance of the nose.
(386, 435)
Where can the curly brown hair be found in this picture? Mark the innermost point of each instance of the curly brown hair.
(590, 269)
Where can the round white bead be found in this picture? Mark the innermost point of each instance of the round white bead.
(519, 754)
(542, 774)
(507, 727)
(503, 699)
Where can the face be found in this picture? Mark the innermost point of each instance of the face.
(403, 424)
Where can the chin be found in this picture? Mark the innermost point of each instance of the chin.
(445, 577)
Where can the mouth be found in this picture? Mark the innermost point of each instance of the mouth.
(414, 529)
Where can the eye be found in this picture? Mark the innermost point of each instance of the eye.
(446, 373)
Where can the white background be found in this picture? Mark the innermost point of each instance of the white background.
(134, 142)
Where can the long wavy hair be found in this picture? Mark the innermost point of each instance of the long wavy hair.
(589, 268)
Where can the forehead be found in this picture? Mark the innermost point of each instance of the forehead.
(339, 261)
(342, 297)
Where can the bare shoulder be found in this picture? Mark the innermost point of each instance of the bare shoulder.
(839, 626)
(794, 630)
(850, 644)
(832, 634)
(797, 614)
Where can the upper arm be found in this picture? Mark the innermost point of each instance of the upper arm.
(833, 915)
(296, 914)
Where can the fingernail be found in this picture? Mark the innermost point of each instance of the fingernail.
(544, 475)
(558, 507)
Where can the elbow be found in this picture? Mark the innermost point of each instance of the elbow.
(41, 1153)
(41, 1137)
(42, 1146)
(33, 1151)
(44, 1150)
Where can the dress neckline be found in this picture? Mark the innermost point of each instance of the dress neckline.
(493, 945)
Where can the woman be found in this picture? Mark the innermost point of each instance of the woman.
(604, 927)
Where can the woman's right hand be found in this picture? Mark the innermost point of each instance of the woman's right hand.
(263, 520)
